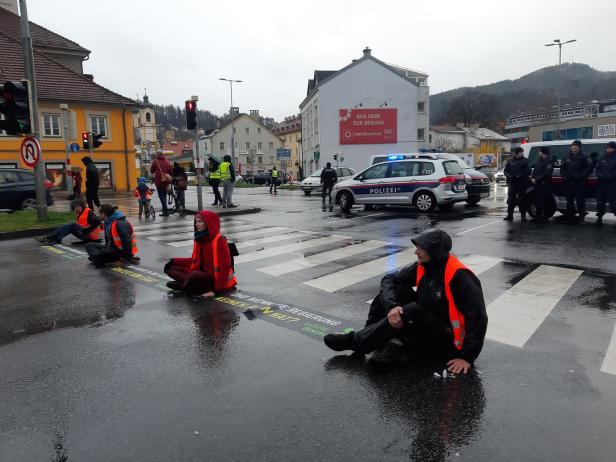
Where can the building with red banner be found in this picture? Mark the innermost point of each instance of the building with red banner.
(368, 107)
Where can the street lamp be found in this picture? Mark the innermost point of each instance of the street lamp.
(231, 82)
(557, 42)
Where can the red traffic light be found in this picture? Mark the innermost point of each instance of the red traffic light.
(85, 140)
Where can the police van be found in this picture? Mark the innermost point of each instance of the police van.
(559, 150)
(423, 180)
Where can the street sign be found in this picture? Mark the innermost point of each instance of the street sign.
(317, 155)
(74, 147)
(30, 151)
(283, 153)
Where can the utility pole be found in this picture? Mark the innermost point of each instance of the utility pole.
(200, 165)
(231, 112)
(39, 169)
(557, 42)
(69, 178)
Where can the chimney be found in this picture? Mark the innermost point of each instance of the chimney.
(10, 5)
(367, 51)
(217, 123)
(235, 111)
(254, 113)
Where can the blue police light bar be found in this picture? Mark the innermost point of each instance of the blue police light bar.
(395, 157)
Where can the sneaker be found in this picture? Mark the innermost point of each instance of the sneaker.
(392, 353)
(340, 342)
(46, 241)
(232, 206)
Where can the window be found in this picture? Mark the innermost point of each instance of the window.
(234, 130)
(421, 134)
(222, 146)
(271, 145)
(259, 145)
(421, 106)
(148, 117)
(560, 152)
(401, 169)
(423, 168)
(247, 130)
(99, 125)
(376, 173)
(258, 130)
(568, 134)
(452, 167)
(247, 144)
(51, 124)
(260, 160)
(8, 177)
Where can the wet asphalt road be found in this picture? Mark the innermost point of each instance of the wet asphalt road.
(102, 365)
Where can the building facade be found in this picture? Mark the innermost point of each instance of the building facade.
(368, 107)
(144, 124)
(91, 107)
(255, 144)
(486, 145)
(595, 119)
(290, 133)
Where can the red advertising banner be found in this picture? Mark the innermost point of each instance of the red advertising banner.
(368, 126)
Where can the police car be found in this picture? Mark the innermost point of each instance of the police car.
(313, 182)
(422, 180)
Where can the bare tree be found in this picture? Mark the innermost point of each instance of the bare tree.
(472, 107)
(445, 144)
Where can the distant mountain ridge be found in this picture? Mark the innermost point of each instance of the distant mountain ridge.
(580, 82)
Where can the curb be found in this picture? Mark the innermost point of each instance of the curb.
(22, 233)
(227, 213)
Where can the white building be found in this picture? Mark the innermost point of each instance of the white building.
(368, 107)
(144, 124)
(255, 144)
(486, 145)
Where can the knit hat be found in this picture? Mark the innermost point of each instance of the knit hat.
(518, 150)
(77, 203)
(434, 241)
(577, 143)
(611, 144)
(142, 179)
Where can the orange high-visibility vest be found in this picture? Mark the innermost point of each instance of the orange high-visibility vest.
(118, 242)
(221, 281)
(82, 221)
(456, 319)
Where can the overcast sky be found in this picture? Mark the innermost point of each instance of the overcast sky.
(179, 48)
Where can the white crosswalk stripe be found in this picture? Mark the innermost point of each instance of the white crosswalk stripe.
(272, 239)
(516, 315)
(236, 236)
(280, 250)
(609, 361)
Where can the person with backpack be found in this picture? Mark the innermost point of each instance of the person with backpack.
(210, 269)
(163, 177)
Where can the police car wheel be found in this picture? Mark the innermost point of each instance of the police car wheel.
(346, 201)
(424, 201)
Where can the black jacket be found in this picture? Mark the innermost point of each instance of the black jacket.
(606, 167)
(328, 176)
(433, 307)
(542, 173)
(576, 167)
(517, 170)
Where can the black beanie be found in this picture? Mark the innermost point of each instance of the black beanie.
(577, 143)
(434, 241)
(611, 144)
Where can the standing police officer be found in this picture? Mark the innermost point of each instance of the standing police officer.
(575, 170)
(541, 177)
(517, 173)
(606, 182)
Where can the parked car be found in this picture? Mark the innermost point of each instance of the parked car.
(499, 176)
(313, 182)
(487, 171)
(477, 183)
(424, 182)
(264, 178)
(17, 190)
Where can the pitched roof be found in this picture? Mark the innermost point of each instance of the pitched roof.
(53, 80)
(446, 129)
(319, 76)
(10, 24)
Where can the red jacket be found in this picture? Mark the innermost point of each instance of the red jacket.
(159, 166)
(203, 256)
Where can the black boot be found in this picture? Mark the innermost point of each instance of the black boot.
(174, 285)
(599, 221)
(340, 342)
(523, 219)
(508, 218)
(392, 353)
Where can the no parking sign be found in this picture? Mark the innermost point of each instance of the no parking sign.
(30, 151)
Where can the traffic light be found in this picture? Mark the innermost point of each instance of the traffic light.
(191, 115)
(336, 157)
(15, 105)
(96, 142)
(86, 140)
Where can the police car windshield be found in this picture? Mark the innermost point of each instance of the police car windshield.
(317, 173)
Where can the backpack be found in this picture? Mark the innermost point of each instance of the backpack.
(233, 252)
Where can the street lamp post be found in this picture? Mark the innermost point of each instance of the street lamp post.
(231, 82)
(557, 42)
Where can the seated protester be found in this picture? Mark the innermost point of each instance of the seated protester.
(87, 226)
(209, 269)
(445, 318)
(120, 243)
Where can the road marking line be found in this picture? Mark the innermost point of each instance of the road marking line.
(172, 224)
(609, 362)
(268, 240)
(274, 251)
(478, 227)
(321, 258)
(233, 237)
(359, 273)
(354, 218)
(517, 314)
(169, 231)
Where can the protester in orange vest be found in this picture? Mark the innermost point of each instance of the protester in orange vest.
(87, 226)
(444, 318)
(120, 243)
(209, 270)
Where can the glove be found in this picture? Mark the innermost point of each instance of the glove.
(167, 266)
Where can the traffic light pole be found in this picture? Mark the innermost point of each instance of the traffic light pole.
(39, 169)
(69, 177)
(199, 163)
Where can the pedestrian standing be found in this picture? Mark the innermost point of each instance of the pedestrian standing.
(180, 184)
(77, 182)
(575, 170)
(227, 179)
(517, 173)
(300, 174)
(163, 176)
(606, 182)
(92, 182)
(274, 180)
(329, 178)
(541, 178)
(214, 180)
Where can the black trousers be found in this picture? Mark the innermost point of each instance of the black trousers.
(540, 197)
(92, 197)
(217, 197)
(162, 196)
(574, 191)
(327, 191)
(606, 194)
(100, 254)
(274, 184)
(516, 194)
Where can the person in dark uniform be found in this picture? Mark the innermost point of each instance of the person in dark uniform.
(445, 318)
(540, 178)
(575, 170)
(92, 182)
(328, 179)
(606, 182)
(517, 173)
